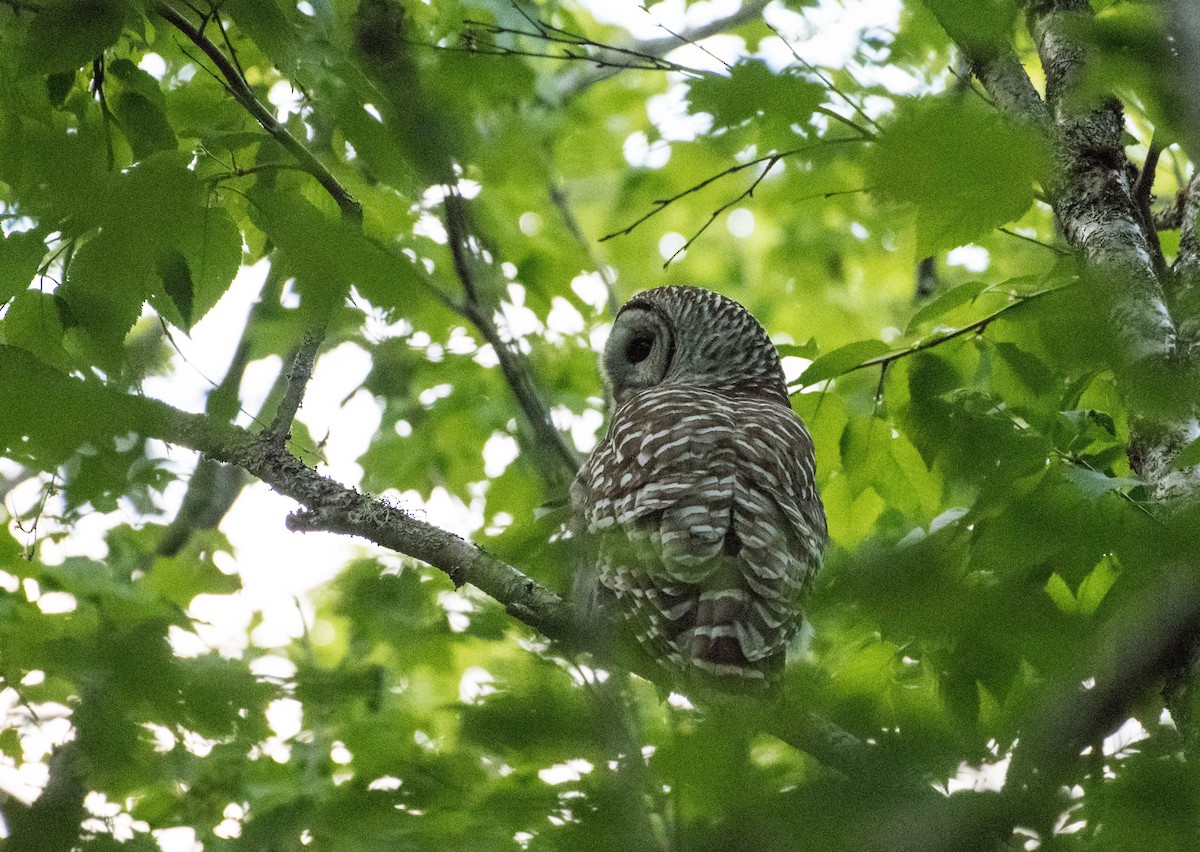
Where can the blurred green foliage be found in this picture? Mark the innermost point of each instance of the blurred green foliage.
(986, 524)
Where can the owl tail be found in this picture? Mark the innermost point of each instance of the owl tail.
(727, 639)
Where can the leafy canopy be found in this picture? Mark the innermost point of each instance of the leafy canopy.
(427, 185)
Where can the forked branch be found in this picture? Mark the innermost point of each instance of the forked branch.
(768, 161)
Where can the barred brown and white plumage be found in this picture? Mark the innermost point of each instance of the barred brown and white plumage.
(702, 494)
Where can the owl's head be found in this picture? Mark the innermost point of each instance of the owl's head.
(690, 336)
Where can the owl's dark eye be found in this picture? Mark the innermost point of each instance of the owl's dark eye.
(638, 348)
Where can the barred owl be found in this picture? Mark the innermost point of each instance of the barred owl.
(702, 494)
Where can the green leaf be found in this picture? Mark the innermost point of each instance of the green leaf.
(144, 124)
(1091, 592)
(1060, 593)
(265, 22)
(805, 350)
(963, 167)
(1096, 585)
(1188, 456)
(327, 256)
(107, 282)
(34, 323)
(985, 25)
(842, 360)
(20, 256)
(177, 280)
(66, 35)
(48, 415)
(948, 301)
(150, 218)
(751, 90)
(1095, 484)
(212, 247)
(852, 517)
(180, 579)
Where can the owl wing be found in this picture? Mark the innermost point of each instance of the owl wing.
(705, 539)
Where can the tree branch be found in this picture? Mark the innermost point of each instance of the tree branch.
(999, 70)
(1091, 193)
(1126, 661)
(1093, 200)
(297, 381)
(243, 94)
(326, 504)
(977, 327)
(557, 461)
(1090, 190)
(1187, 267)
(331, 507)
(1143, 195)
(379, 29)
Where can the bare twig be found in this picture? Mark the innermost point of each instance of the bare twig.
(576, 48)
(649, 64)
(557, 461)
(771, 159)
(246, 171)
(828, 83)
(573, 84)
(1142, 196)
(749, 11)
(747, 193)
(243, 94)
(683, 38)
(977, 327)
(1056, 249)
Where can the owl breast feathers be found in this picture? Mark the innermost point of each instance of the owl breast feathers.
(702, 494)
